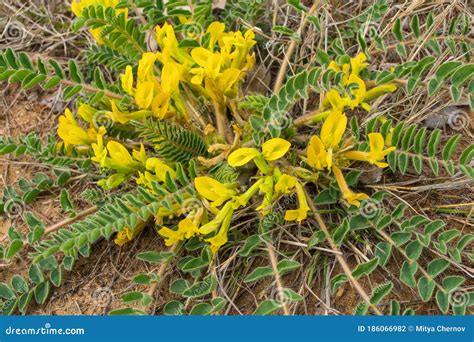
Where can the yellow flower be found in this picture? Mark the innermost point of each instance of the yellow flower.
(242, 156)
(146, 67)
(242, 200)
(275, 148)
(317, 155)
(333, 129)
(334, 99)
(127, 234)
(215, 31)
(267, 188)
(358, 64)
(272, 150)
(188, 227)
(73, 134)
(285, 183)
(213, 225)
(376, 152)
(358, 94)
(144, 94)
(100, 153)
(302, 212)
(127, 80)
(123, 117)
(171, 236)
(213, 190)
(379, 91)
(120, 159)
(113, 181)
(221, 238)
(347, 194)
(86, 112)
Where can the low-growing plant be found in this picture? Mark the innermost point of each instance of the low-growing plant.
(161, 120)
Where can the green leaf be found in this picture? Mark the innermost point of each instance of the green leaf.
(35, 274)
(133, 296)
(341, 232)
(194, 264)
(173, 308)
(447, 69)
(126, 312)
(337, 281)
(415, 26)
(414, 249)
(251, 243)
(66, 203)
(292, 296)
(397, 30)
(14, 248)
(437, 266)
(322, 57)
(201, 288)
(57, 276)
(383, 251)
(400, 238)
(450, 146)
(179, 286)
(201, 309)
(6, 292)
(42, 292)
(155, 257)
(285, 266)
(434, 226)
(433, 142)
(407, 273)
(267, 307)
(380, 292)
(442, 300)
(453, 282)
(365, 268)
(19, 284)
(425, 288)
(462, 75)
(259, 273)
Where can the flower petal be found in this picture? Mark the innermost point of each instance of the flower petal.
(242, 156)
(275, 148)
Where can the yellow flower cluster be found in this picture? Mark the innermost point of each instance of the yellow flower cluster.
(326, 152)
(213, 69)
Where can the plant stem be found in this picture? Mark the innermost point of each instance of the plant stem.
(281, 292)
(222, 122)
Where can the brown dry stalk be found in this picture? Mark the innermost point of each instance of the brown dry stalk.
(66, 222)
(345, 267)
(292, 47)
(279, 284)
